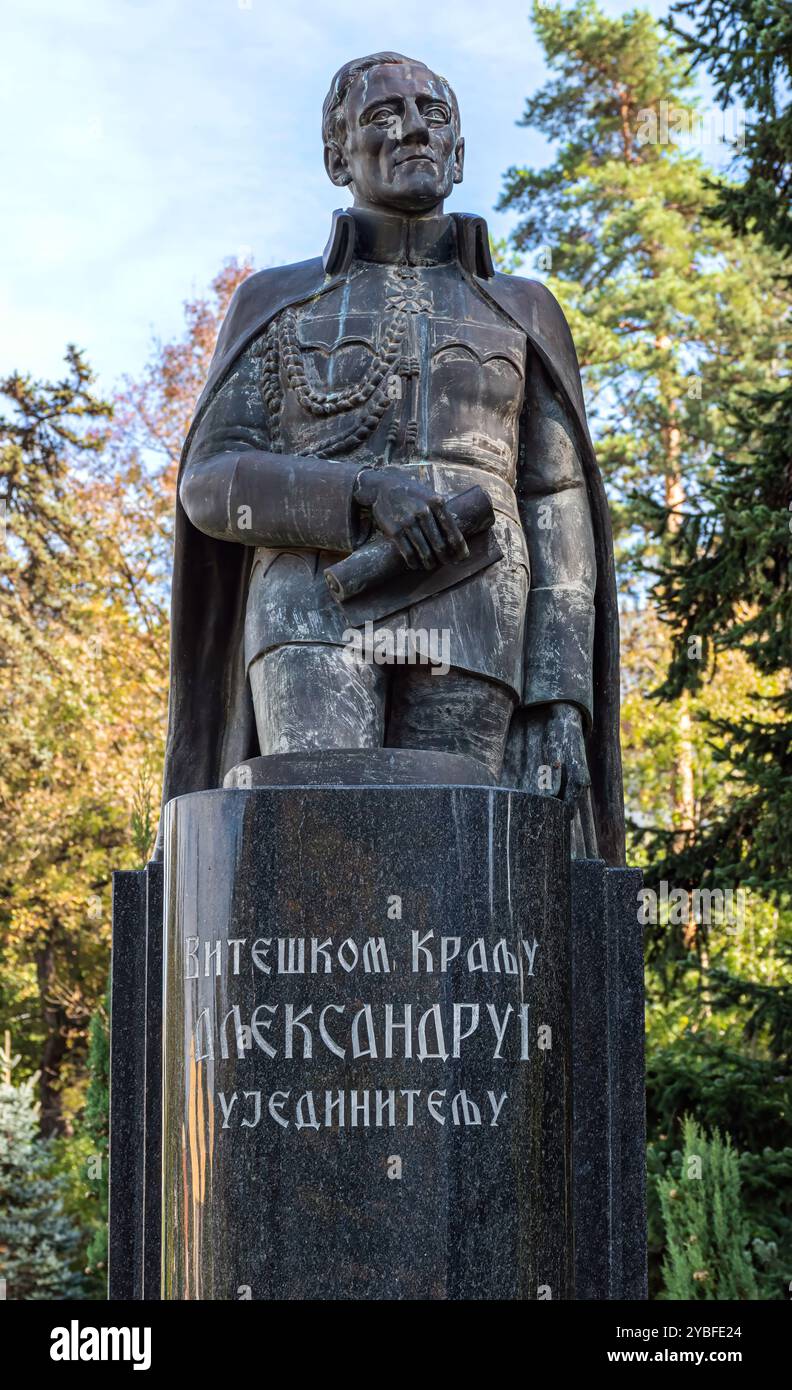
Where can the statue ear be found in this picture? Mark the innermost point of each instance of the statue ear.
(335, 164)
(459, 160)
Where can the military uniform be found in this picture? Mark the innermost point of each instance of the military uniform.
(407, 362)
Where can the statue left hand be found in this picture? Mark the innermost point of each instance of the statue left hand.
(557, 744)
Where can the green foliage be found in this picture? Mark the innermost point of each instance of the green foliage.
(39, 1244)
(766, 1198)
(766, 1186)
(81, 1161)
(729, 572)
(728, 577)
(680, 316)
(747, 1097)
(706, 1230)
(746, 47)
(672, 313)
(745, 1094)
(144, 815)
(97, 1125)
(81, 699)
(87, 495)
(652, 741)
(765, 1008)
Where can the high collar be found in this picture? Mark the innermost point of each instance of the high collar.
(387, 239)
(392, 240)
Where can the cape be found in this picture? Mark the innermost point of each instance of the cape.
(210, 713)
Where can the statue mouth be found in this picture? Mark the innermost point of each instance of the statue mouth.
(413, 158)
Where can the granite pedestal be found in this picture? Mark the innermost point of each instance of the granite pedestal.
(402, 1051)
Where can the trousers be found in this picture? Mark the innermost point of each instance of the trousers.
(314, 696)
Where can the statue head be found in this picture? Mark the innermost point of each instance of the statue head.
(391, 134)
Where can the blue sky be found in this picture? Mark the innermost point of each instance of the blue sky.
(144, 141)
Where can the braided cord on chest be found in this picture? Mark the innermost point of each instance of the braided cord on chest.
(371, 395)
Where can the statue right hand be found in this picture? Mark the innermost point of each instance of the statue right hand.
(411, 515)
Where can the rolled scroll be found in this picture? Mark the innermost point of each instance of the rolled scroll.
(379, 560)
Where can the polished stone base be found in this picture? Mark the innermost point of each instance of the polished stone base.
(342, 1121)
(368, 1096)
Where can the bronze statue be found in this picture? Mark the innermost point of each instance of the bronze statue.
(350, 399)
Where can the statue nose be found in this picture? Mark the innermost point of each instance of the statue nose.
(414, 127)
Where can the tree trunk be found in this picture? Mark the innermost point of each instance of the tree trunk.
(683, 794)
(683, 799)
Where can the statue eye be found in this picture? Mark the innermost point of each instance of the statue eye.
(437, 115)
(383, 115)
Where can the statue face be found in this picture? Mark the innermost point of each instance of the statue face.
(401, 151)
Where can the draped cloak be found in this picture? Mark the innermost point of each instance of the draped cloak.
(211, 726)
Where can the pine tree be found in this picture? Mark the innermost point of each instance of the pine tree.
(673, 315)
(706, 1232)
(679, 318)
(746, 47)
(731, 570)
(729, 573)
(39, 1246)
